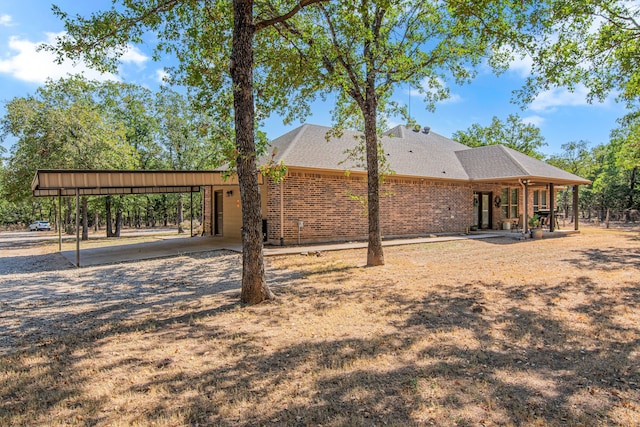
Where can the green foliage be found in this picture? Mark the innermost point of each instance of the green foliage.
(534, 221)
(512, 133)
(626, 140)
(74, 123)
(199, 36)
(190, 138)
(589, 42)
(575, 158)
(63, 126)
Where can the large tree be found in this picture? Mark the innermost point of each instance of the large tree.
(513, 133)
(365, 50)
(212, 41)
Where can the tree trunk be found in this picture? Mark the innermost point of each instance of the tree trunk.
(151, 214)
(118, 218)
(85, 219)
(107, 208)
(68, 217)
(96, 222)
(118, 223)
(180, 214)
(254, 285)
(375, 255)
(632, 186)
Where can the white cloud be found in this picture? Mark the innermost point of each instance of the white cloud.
(34, 66)
(549, 100)
(521, 66)
(134, 55)
(161, 75)
(25, 62)
(6, 21)
(533, 120)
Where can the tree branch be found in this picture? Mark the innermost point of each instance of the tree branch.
(278, 19)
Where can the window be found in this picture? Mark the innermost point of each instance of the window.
(540, 200)
(509, 203)
(505, 203)
(513, 203)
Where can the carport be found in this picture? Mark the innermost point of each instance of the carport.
(69, 183)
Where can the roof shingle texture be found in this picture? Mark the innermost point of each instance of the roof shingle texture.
(411, 153)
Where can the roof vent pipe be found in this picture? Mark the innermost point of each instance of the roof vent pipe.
(426, 130)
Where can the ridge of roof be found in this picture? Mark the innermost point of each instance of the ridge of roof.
(393, 132)
(507, 151)
(299, 131)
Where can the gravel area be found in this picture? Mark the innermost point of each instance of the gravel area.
(42, 296)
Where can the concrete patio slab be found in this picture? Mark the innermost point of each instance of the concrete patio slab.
(176, 246)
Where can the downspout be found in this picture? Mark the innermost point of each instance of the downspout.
(282, 212)
(525, 224)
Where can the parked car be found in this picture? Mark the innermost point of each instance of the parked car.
(40, 225)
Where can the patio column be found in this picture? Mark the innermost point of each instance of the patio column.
(552, 207)
(525, 216)
(575, 208)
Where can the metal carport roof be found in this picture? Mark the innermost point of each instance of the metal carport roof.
(60, 182)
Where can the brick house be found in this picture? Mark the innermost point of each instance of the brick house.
(437, 186)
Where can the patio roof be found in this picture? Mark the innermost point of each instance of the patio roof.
(103, 182)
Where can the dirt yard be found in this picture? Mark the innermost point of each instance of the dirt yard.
(470, 333)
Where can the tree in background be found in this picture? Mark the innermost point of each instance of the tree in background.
(625, 142)
(183, 135)
(577, 159)
(590, 42)
(63, 126)
(74, 123)
(513, 133)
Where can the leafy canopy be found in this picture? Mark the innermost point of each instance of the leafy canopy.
(513, 133)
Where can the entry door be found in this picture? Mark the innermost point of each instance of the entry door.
(482, 210)
(485, 212)
(217, 209)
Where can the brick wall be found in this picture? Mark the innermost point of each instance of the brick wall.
(326, 203)
(329, 212)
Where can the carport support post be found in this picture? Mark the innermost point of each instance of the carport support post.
(191, 210)
(77, 228)
(552, 207)
(575, 208)
(59, 220)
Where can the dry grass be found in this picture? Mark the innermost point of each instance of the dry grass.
(494, 332)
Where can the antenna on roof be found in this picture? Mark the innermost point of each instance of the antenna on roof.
(426, 129)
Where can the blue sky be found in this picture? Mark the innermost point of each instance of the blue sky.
(562, 116)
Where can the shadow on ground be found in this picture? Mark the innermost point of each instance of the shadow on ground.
(478, 353)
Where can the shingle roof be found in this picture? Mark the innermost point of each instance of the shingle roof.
(495, 162)
(410, 153)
